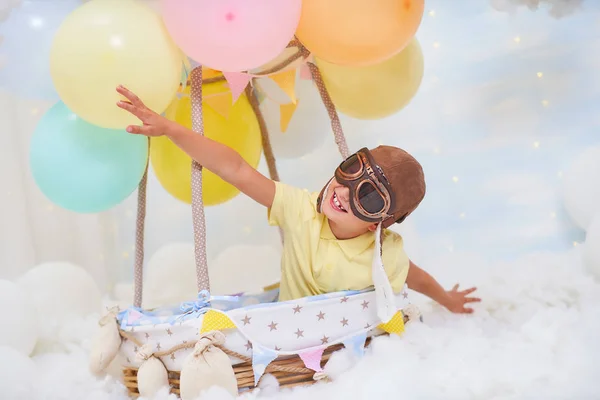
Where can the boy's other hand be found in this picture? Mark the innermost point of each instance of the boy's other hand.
(153, 124)
(456, 300)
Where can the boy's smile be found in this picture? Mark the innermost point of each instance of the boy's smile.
(336, 207)
(336, 204)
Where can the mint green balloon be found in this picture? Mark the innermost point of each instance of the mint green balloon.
(82, 167)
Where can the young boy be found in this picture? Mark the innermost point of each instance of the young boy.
(334, 240)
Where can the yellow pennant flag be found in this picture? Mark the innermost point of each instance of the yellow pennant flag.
(287, 82)
(286, 112)
(208, 73)
(216, 321)
(394, 325)
(220, 102)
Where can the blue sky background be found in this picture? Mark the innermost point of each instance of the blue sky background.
(506, 104)
(482, 115)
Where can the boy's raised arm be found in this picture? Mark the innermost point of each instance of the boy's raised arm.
(214, 156)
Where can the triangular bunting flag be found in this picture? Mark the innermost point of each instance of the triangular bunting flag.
(133, 315)
(185, 74)
(220, 102)
(187, 64)
(259, 95)
(215, 321)
(287, 82)
(395, 325)
(357, 344)
(261, 358)
(305, 72)
(193, 63)
(286, 112)
(237, 83)
(312, 359)
(208, 73)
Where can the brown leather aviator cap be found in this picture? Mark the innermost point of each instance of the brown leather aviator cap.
(406, 178)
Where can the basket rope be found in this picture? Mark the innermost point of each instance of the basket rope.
(231, 353)
(198, 216)
(336, 125)
(138, 269)
(199, 221)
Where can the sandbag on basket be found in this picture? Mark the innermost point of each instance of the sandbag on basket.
(207, 366)
(106, 343)
(152, 375)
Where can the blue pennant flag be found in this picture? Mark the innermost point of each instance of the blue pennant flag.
(261, 358)
(357, 344)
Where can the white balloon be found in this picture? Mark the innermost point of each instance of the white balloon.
(61, 291)
(309, 126)
(18, 375)
(591, 250)
(581, 187)
(245, 268)
(21, 333)
(170, 276)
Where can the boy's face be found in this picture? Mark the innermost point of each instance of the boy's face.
(336, 207)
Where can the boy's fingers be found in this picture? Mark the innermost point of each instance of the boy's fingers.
(146, 130)
(471, 290)
(130, 96)
(125, 105)
(472, 300)
(134, 129)
(455, 287)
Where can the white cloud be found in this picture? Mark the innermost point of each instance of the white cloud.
(522, 188)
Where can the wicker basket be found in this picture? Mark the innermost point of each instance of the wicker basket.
(289, 371)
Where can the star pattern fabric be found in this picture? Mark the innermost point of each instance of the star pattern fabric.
(285, 328)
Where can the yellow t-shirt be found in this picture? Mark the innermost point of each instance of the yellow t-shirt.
(314, 261)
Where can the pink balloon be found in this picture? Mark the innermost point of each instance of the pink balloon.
(231, 35)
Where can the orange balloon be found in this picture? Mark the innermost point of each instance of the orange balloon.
(358, 32)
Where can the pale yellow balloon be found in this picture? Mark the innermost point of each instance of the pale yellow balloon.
(105, 43)
(375, 91)
(238, 130)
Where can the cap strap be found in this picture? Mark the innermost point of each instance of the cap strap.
(386, 304)
(322, 196)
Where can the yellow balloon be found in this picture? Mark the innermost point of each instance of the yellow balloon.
(240, 131)
(375, 91)
(105, 43)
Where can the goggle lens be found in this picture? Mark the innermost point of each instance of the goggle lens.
(351, 166)
(369, 198)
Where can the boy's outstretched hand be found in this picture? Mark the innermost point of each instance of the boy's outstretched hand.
(153, 123)
(456, 300)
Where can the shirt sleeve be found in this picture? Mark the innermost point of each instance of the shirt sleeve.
(291, 206)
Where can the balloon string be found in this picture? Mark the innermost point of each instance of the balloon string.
(336, 125)
(273, 70)
(282, 65)
(266, 141)
(198, 218)
(138, 270)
